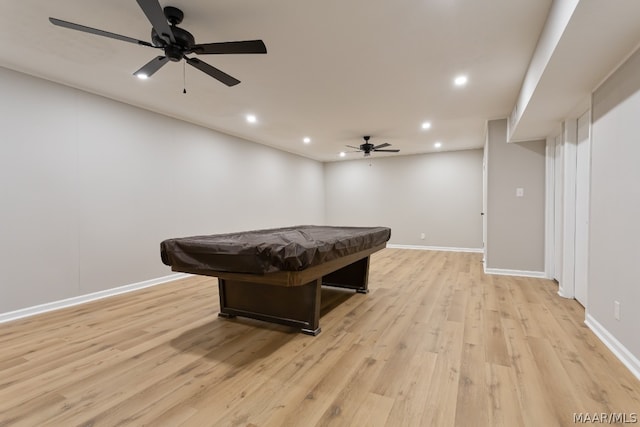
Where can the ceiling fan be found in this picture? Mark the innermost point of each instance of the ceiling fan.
(176, 42)
(367, 148)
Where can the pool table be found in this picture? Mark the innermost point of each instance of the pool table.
(276, 275)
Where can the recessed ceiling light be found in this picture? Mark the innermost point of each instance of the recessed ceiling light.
(251, 118)
(438, 144)
(426, 125)
(142, 76)
(342, 154)
(306, 140)
(460, 80)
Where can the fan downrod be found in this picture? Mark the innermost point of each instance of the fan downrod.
(173, 14)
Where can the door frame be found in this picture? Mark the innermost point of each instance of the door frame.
(583, 195)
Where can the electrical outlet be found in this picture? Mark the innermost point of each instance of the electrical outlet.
(422, 236)
(616, 310)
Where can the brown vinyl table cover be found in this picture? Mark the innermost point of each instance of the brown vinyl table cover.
(269, 250)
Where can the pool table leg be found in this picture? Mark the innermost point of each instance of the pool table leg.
(313, 332)
(314, 319)
(353, 276)
(223, 299)
(297, 306)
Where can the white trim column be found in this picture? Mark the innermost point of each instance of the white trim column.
(558, 187)
(569, 136)
(549, 208)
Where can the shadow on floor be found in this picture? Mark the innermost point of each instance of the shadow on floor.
(240, 341)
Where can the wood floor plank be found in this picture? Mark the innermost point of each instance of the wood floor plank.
(436, 342)
(473, 315)
(180, 365)
(409, 400)
(494, 339)
(268, 380)
(472, 400)
(535, 403)
(373, 411)
(504, 408)
(322, 391)
(555, 379)
(442, 395)
(350, 398)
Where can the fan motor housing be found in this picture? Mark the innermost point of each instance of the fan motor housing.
(184, 38)
(175, 51)
(366, 147)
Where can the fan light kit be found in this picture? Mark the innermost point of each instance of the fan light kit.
(176, 42)
(367, 148)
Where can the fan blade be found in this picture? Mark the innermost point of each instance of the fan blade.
(381, 146)
(388, 151)
(155, 15)
(78, 27)
(351, 146)
(212, 71)
(152, 66)
(248, 46)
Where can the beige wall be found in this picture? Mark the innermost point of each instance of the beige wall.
(515, 225)
(437, 194)
(614, 267)
(89, 187)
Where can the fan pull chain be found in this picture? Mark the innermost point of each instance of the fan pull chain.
(184, 77)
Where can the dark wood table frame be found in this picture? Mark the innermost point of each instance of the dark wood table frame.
(291, 298)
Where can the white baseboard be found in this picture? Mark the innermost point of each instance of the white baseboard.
(563, 295)
(436, 248)
(521, 273)
(617, 348)
(69, 302)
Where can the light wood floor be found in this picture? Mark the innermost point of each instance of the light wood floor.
(435, 343)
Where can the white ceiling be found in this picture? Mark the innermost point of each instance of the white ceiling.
(335, 70)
